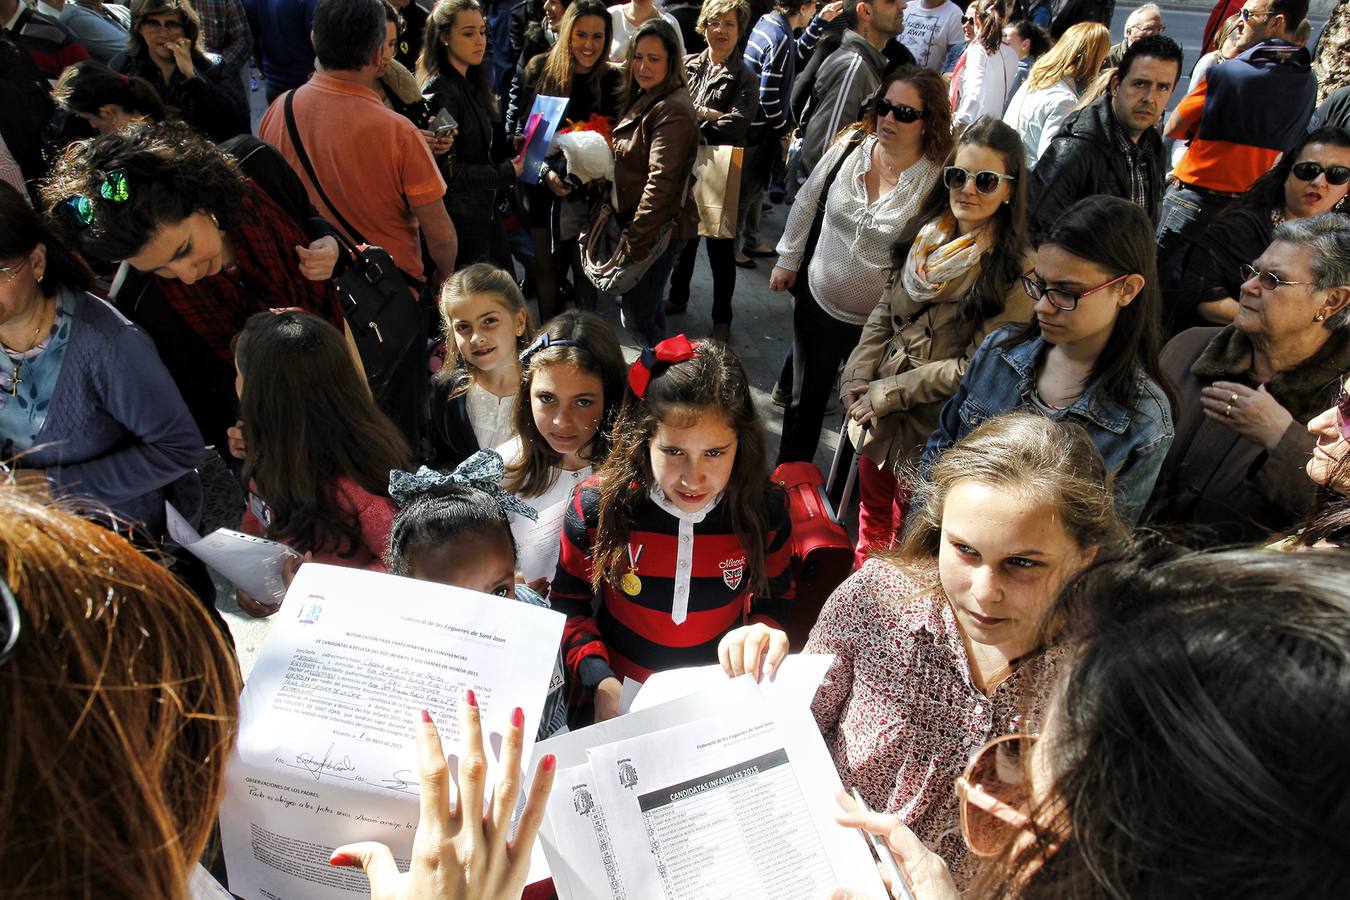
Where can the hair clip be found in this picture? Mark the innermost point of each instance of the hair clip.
(543, 342)
(484, 471)
(114, 188)
(672, 350)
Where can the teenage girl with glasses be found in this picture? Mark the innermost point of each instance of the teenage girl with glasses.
(1090, 355)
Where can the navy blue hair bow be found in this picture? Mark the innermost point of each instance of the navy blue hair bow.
(543, 342)
(483, 471)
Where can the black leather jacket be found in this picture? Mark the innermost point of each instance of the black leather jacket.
(477, 167)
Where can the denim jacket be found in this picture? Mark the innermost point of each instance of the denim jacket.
(1133, 440)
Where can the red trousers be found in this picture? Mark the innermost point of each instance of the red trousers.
(882, 504)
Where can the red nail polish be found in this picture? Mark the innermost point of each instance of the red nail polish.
(518, 718)
(426, 716)
(341, 860)
(548, 762)
(470, 698)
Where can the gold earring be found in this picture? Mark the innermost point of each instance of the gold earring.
(1320, 317)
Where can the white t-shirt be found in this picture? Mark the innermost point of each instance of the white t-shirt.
(930, 33)
(624, 31)
(538, 542)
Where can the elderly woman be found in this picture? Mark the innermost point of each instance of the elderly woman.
(726, 96)
(1246, 392)
(865, 194)
(205, 242)
(166, 50)
(87, 410)
(1311, 179)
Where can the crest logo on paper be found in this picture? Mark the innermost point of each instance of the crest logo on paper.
(311, 609)
(627, 774)
(732, 571)
(582, 801)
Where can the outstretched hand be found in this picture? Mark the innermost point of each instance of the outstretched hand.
(926, 872)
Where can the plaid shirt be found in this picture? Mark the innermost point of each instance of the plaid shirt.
(1135, 161)
(225, 31)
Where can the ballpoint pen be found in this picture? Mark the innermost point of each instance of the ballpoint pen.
(899, 884)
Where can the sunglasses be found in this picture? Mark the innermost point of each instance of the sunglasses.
(1268, 281)
(1248, 16)
(902, 113)
(967, 20)
(1308, 171)
(995, 795)
(986, 182)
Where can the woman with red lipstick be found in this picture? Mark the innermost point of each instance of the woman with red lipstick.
(569, 394)
(682, 536)
(1311, 179)
(938, 644)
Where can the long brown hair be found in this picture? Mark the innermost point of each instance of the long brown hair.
(559, 64)
(308, 421)
(598, 353)
(1077, 56)
(479, 278)
(937, 106)
(711, 383)
(675, 74)
(118, 710)
(192, 25)
(435, 58)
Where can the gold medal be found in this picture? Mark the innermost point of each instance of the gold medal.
(631, 584)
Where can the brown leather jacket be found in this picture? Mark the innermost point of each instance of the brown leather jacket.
(911, 359)
(731, 89)
(654, 148)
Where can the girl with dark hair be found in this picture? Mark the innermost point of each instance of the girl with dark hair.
(682, 536)
(576, 68)
(452, 529)
(1195, 746)
(87, 410)
(318, 453)
(943, 643)
(864, 195)
(1311, 179)
(473, 397)
(205, 239)
(570, 392)
(165, 48)
(958, 281)
(655, 144)
(479, 166)
(106, 99)
(1091, 353)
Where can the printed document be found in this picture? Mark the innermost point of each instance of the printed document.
(250, 563)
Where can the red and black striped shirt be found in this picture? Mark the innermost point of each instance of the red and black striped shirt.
(637, 635)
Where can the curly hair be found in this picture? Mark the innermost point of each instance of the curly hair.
(933, 95)
(171, 171)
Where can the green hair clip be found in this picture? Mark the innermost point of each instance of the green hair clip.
(114, 188)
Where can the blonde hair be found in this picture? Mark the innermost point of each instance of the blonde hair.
(479, 278)
(118, 710)
(1078, 55)
(713, 9)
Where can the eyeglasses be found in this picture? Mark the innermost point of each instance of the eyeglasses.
(903, 113)
(10, 624)
(9, 273)
(995, 795)
(1268, 281)
(1060, 299)
(1308, 171)
(986, 182)
(170, 25)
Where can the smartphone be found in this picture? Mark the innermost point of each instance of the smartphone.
(443, 123)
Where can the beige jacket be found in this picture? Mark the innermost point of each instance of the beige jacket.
(911, 359)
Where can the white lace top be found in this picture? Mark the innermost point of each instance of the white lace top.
(492, 417)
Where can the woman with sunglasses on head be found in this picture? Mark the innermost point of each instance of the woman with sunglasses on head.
(983, 78)
(940, 644)
(1246, 392)
(958, 280)
(1090, 355)
(835, 255)
(1311, 179)
(1195, 745)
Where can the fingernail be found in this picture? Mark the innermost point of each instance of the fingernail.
(548, 762)
(341, 859)
(470, 699)
(518, 718)
(426, 717)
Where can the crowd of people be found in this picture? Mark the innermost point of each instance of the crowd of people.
(1090, 335)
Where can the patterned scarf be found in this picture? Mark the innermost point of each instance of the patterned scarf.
(268, 275)
(940, 255)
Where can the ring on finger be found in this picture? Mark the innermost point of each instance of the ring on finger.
(1228, 411)
(1232, 399)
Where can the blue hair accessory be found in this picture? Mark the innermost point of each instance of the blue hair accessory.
(483, 471)
(543, 342)
(113, 188)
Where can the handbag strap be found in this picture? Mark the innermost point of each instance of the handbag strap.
(299, 146)
(855, 141)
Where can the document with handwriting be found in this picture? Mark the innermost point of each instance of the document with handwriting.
(326, 752)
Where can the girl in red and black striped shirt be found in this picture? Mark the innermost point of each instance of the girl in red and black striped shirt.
(681, 536)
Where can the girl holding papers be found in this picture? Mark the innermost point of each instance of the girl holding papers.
(938, 644)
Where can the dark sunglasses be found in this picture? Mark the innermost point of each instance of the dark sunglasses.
(986, 182)
(903, 113)
(1308, 171)
(967, 20)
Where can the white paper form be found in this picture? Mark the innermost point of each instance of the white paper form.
(736, 807)
(575, 835)
(252, 564)
(795, 682)
(327, 753)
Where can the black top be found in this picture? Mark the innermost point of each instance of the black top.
(478, 166)
(449, 431)
(410, 40)
(205, 102)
